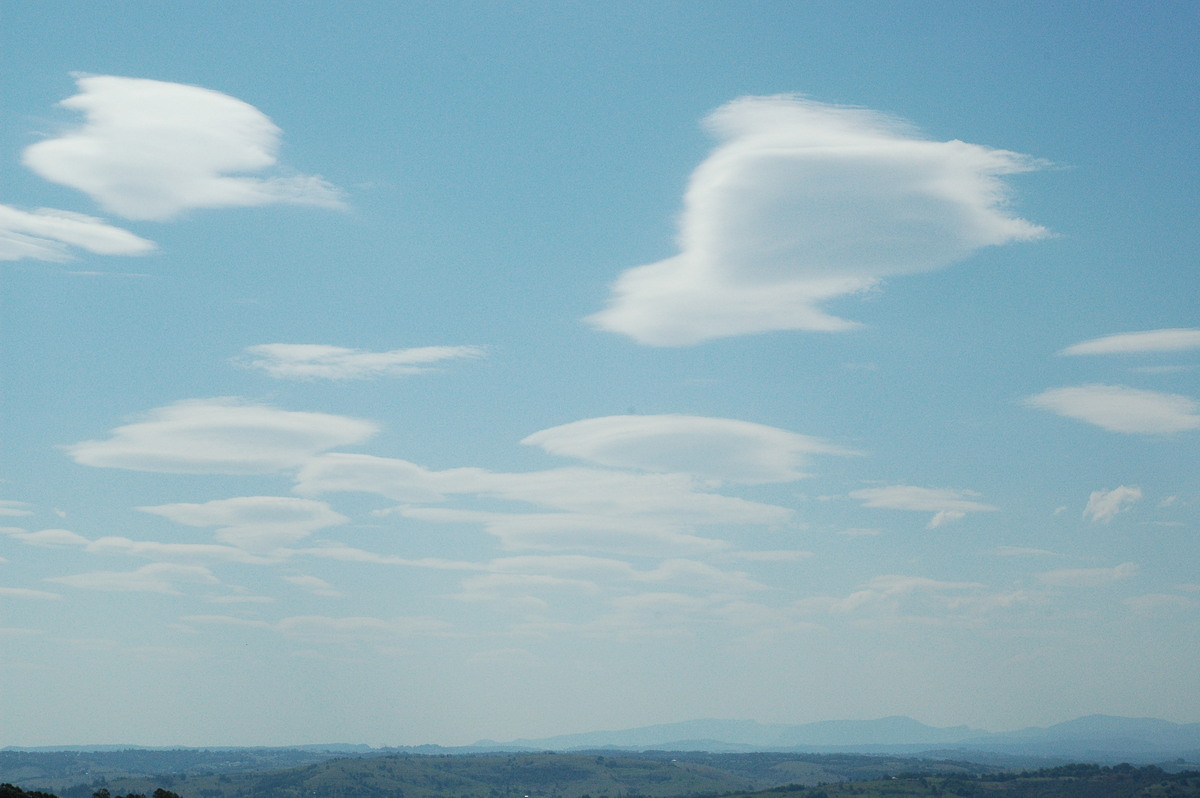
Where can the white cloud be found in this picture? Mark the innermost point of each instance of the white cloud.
(803, 202)
(1118, 408)
(220, 436)
(1103, 505)
(720, 449)
(259, 524)
(153, 578)
(946, 505)
(26, 593)
(48, 234)
(14, 508)
(148, 149)
(576, 532)
(317, 361)
(313, 584)
(180, 552)
(52, 538)
(1170, 340)
(1021, 551)
(1088, 577)
(584, 491)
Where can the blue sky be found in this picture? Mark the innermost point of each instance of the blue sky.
(430, 372)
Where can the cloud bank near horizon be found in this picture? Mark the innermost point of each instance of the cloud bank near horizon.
(804, 202)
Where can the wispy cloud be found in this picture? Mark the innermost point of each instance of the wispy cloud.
(1169, 340)
(259, 524)
(1088, 577)
(153, 578)
(148, 149)
(1104, 505)
(318, 361)
(14, 508)
(1118, 408)
(946, 505)
(802, 203)
(721, 449)
(48, 234)
(27, 593)
(220, 436)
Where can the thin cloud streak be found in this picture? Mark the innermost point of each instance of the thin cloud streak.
(318, 361)
(1167, 340)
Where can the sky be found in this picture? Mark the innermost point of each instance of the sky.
(430, 372)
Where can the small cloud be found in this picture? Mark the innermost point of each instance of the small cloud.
(946, 505)
(1170, 340)
(220, 436)
(860, 532)
(153, 578)
(784, 555)
(1161, 603)
(802, 203)
(317, 361)
(314, 585)
(1104, 505)
(47, 234)
(13, 508)
(1088, 577)
(1118, 408)
(25, 593)
(721, 449)
(149, 149)
(50, 538)
(1019, 551)
(259, 524)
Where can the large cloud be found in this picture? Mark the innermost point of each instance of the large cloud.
(319, 361)
(48, 234)
(721, 449)
(150, 150)
(220, 436)
(804, 202)
(1118, 408)
(1170, 340)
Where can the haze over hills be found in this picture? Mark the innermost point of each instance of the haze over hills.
(1095, 737)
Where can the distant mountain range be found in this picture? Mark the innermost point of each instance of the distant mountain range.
(1095, 738)
(1091, 738)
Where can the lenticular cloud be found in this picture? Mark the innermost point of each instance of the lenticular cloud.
(804, 202)
(150, 150)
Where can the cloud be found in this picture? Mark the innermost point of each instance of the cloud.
(48, 234)
(720, 449)
(51, 538)
(946, 505)
(326, 629)
(148, 149)
(259, 524)
(576, 532)
(1020, 551)
(1118, 408)
(585, 491)
(26, 593)
(220, 436)
(1088, 577)
(1170, 340)
(804, 202)
(14, 508)
(313, 584)
(317, 361)
(1103, 505)
(153, 578)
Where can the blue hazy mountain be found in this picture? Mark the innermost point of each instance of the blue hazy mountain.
(1094, 738)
